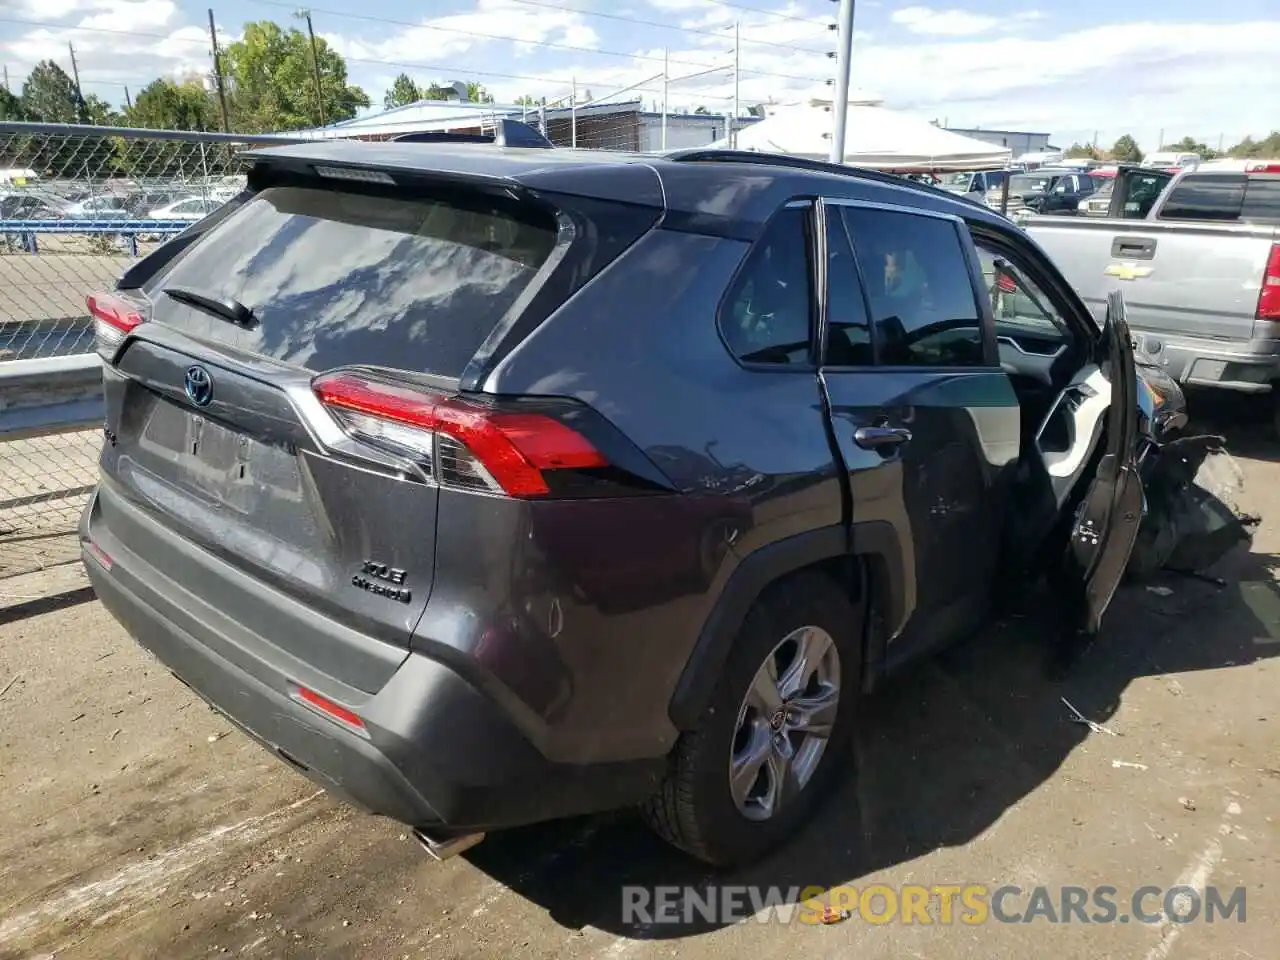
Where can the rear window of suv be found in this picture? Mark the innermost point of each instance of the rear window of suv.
(340, 277)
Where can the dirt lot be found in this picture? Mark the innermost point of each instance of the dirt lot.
(136, 823)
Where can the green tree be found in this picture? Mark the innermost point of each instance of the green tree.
(165, 105)
(525, 100)
(49, 95)
(1267, 148)
(1125, 150)
(1082, 151)
(11, 106)
(1190, 145)
(100, 113)
(274, 84)
(403, 91)
(477, 93)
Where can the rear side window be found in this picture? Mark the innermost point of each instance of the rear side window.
(768, 315)
(1206, 197)
(1261, 200)
(337, 277)
(918, 283)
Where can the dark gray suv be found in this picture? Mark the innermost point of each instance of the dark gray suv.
(486, 486)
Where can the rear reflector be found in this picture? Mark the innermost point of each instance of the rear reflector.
(1269, 298)
(464, 444)
(99, 554)
(114, 318)
(333, 710)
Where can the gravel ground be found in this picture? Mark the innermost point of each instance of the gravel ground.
(137, 823)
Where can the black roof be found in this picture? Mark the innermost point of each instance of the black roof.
(715, 191)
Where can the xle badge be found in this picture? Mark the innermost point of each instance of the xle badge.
(385, 581)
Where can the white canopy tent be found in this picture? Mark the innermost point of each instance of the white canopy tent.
(875, 138)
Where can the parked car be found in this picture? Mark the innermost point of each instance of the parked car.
(562, 487)
(1027, 191)
(100, 207)
(31, 206)
(1125, 191)
(1065, 196)
(184, 208)
(1203, 268)
(977, 184)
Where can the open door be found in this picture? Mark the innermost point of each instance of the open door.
(1107, 519)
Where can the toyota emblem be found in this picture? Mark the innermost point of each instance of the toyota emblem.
(199, 385)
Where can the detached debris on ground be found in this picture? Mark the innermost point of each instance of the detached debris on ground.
(1193, 518)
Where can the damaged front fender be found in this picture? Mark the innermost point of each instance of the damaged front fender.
(1192, 517)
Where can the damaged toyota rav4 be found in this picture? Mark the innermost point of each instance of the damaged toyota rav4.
(489, 486)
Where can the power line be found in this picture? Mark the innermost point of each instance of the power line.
(551, 45)
(620, 17)
(765, 13)
(277, 3)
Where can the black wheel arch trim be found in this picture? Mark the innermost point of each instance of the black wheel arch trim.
(876, 542)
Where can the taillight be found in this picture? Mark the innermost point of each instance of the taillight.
(1262, 166)
(114, 318)
(1269, 298)
(463, 444)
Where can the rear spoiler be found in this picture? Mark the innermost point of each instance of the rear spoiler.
(506, 133)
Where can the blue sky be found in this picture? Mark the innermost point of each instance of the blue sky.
(1069, 69)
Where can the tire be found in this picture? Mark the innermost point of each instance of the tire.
(695, 808)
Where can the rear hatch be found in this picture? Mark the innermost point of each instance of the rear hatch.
(215, 429)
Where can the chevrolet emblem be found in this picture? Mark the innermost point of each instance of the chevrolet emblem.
(1127, 271)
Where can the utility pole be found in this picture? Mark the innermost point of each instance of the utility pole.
(6, 78)
(666, 83)
(737, 74)
(573, 112)
(315, 63)
(844, 58)
(75, 73)
(128, 100)
(217, 74)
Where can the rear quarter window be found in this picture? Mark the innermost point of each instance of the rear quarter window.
(1261, 200)
(1205, 197)
(338, 277)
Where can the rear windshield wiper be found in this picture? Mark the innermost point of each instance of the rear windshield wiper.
(227, 309)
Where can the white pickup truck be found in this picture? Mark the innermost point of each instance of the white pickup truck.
(1200, 274)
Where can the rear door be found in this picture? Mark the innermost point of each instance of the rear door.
(1106, 521)
(922, 416)
(213, 428)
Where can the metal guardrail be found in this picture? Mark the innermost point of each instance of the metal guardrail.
(50, 395)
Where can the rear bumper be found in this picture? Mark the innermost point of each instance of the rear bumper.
(435, 751)
(1245, 367)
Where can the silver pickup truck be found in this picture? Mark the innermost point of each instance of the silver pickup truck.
(1200, 274)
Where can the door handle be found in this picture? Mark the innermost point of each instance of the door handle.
(877, 438)
(1137, 248)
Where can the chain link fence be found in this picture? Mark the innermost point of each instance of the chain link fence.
(77, 206)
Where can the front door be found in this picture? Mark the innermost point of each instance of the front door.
(1106, 522)
(923, 417)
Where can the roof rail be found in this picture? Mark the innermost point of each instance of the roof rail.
(506, 133)
(703, 155)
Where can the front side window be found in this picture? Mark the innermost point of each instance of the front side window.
(919, 288)
(768, 314)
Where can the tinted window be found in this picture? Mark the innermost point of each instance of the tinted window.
(918, 283)
(848, 332)
(338, 277)
(767, 317)
(1261, 200)
(1206, 197)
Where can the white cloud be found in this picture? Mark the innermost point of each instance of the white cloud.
(943, 23)
(438, 38)
(129, 15)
